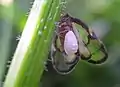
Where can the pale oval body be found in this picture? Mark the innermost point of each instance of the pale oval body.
(70, 43)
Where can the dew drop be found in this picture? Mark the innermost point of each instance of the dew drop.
(41, 20)
(45, 27)
(57, 7)
(39, 32)
(37, 26)
(45, 41)
(49, 15)
(50, 18)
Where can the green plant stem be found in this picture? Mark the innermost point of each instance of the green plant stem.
(32, 51)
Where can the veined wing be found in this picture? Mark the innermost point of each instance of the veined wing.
(92, 48)
(60, 60)
(97, 48)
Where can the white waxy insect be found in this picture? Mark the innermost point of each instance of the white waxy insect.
(70, 43)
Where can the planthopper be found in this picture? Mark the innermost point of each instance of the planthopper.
(72, 41)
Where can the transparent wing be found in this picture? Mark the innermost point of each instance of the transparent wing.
(97, 48)
(60, 64)
(82, 39)
(92, 49)
(60, 59)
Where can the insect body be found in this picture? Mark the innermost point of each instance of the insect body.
(65, 50)
(71, 44)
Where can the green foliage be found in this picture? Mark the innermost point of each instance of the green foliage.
(31, 65)
(28, 61)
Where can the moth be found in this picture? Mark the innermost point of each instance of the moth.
(74, 41)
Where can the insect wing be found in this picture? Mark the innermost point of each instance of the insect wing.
(59, 58)
(97, 49)
(60, 64)
(82, 39)
(92, 47)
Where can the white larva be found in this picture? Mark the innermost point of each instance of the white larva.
(70, 43)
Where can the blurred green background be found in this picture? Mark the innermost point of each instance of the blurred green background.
(103, 16)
